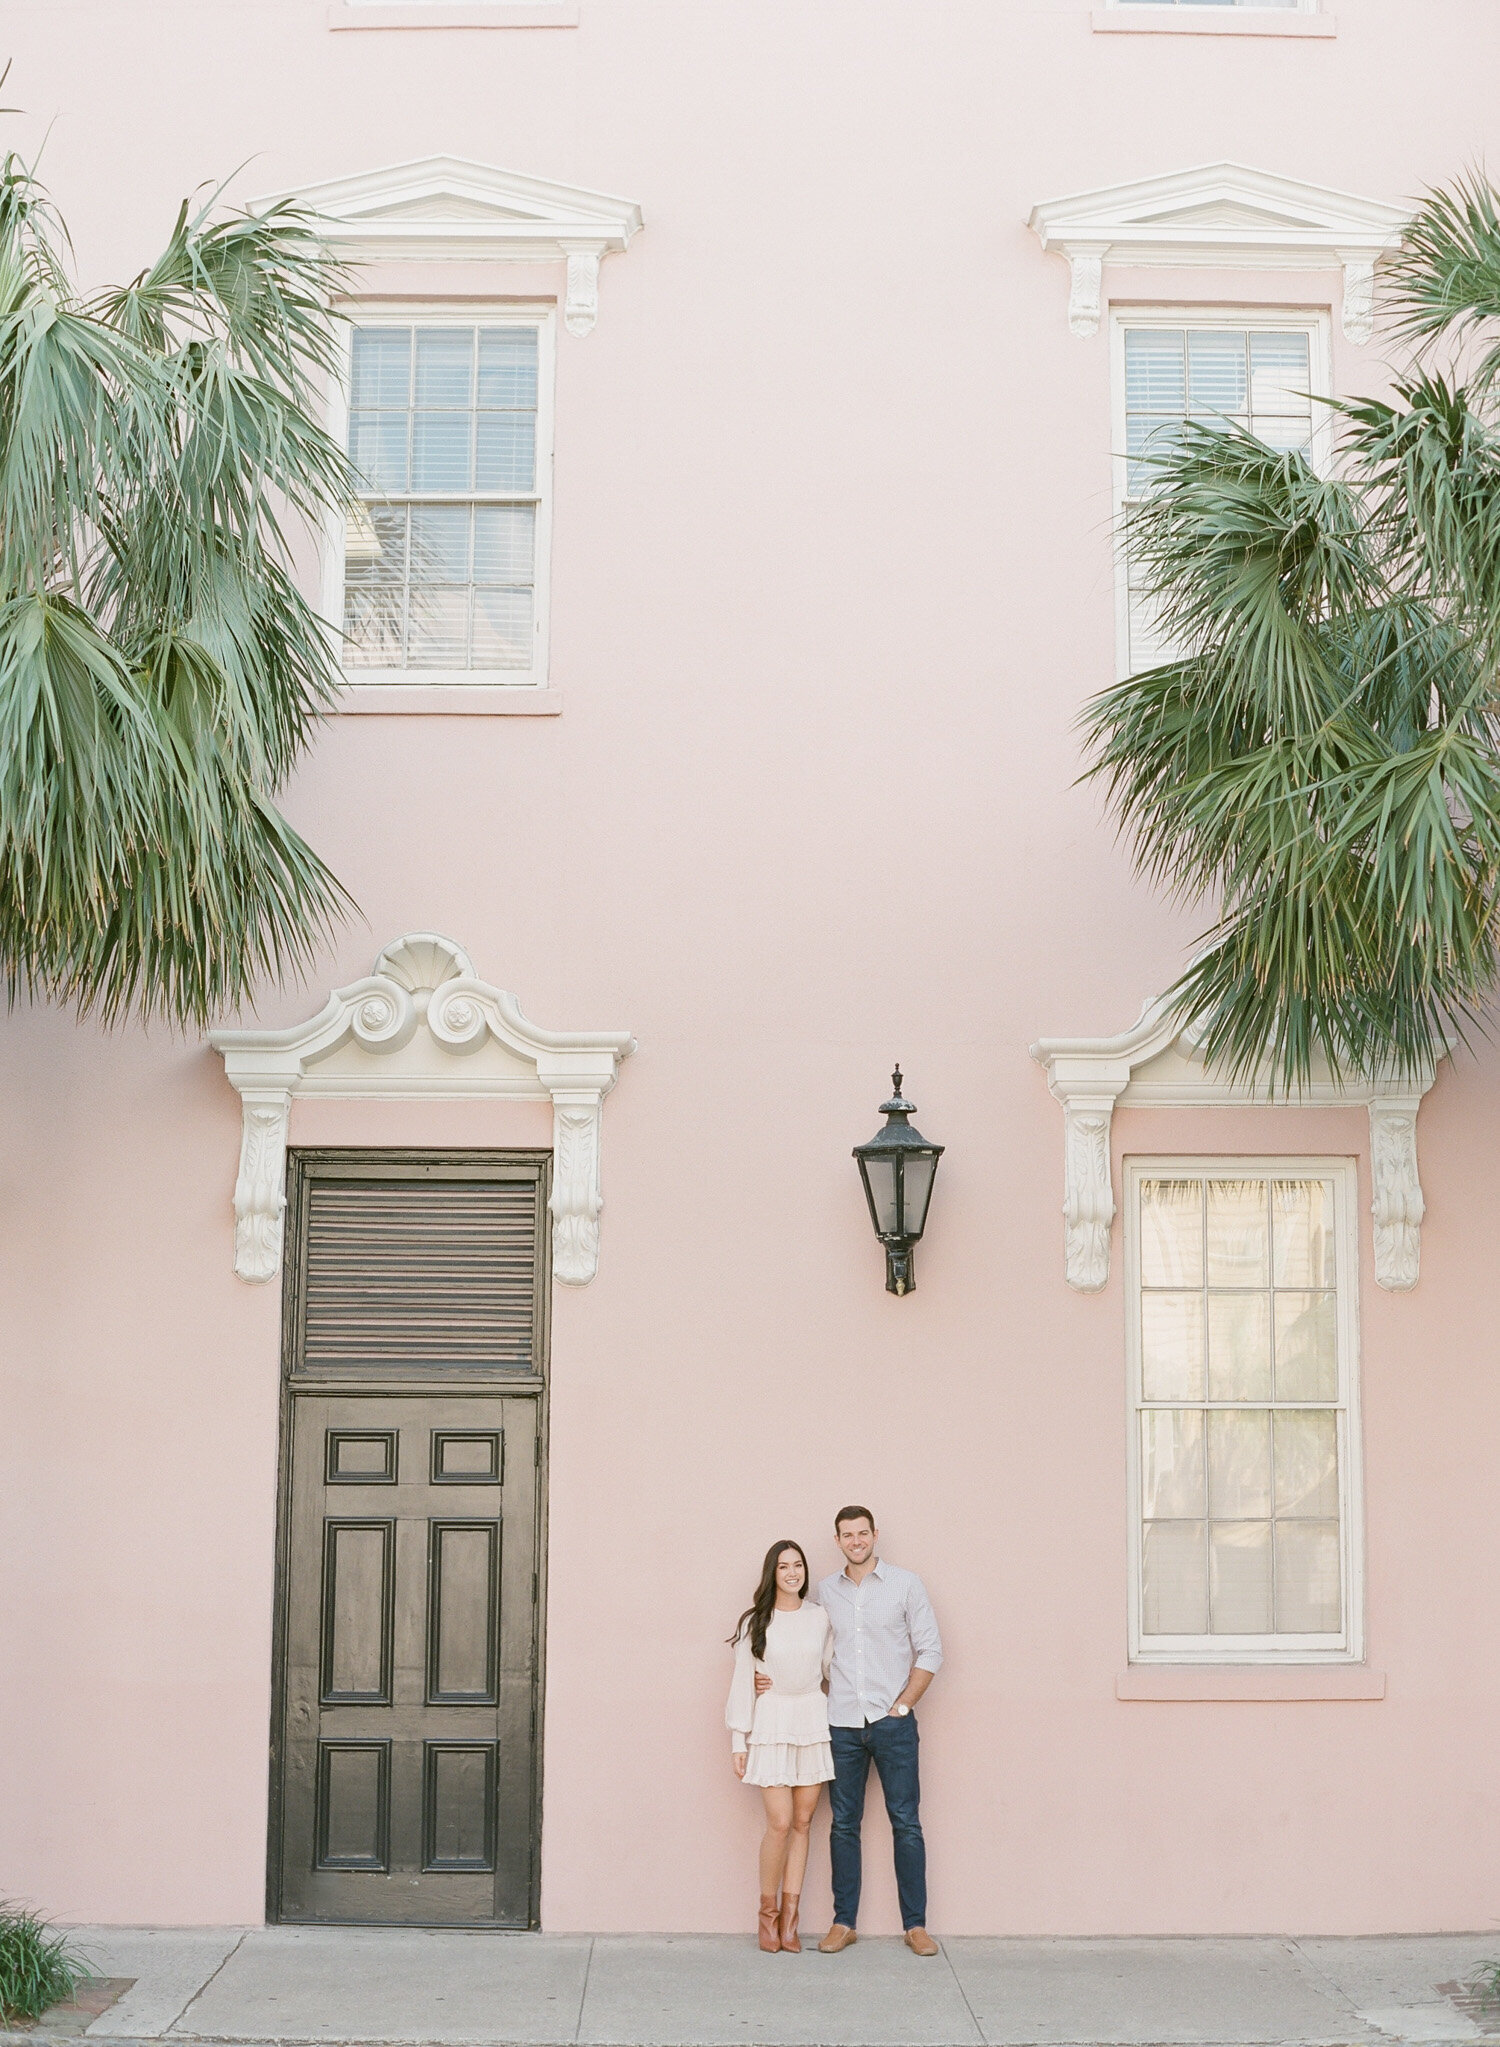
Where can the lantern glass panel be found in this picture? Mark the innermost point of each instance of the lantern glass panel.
(918, 1191)
(880, 1178)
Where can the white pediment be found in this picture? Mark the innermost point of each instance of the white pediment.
(445, 208)
(1226, 216)
(1158, 1064)
(421, 1026)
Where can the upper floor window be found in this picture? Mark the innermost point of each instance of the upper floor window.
(1244, 1440)
(1257, 371)
(1304, 6)
(444, 562)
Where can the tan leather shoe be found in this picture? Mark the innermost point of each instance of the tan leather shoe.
(836, 1939)
(920, 1941)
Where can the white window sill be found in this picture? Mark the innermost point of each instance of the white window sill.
(1250, 1681)
(449, 700)
(1211, 21)
(458, 14)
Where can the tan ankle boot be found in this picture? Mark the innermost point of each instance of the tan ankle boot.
(770, 1939)
(790, 1900)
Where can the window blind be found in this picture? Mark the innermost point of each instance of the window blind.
(440, 553)
(411, 1274)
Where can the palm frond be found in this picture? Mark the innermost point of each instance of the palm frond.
(160, 672)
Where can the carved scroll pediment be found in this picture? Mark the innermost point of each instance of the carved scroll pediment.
(1157, 1064)
(421, 1026)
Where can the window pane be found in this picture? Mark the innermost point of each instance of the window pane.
(1155, 370)
(1239, 1347)
(502, 628)
(1216, 373)
(1308, 1589)
(504, 543)
(438, 629)
(440, 543)
(377, 448)
(505, 451)
(1239, 1577)
(373, 621)
(1285, 435)
(1239, 1464)
(375, 544)
(1307, 1466)
(1172, 1233)
(445, 366)
(1302, 1221)
(1174, 1579)
(440, 456)
(380, 367)
(1172, 1346)
(1307, 1347)
(507, 366)
(1280, 375)
(1171, 1464)
(1238, 1242)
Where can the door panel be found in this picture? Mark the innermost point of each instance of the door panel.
(410, 1658)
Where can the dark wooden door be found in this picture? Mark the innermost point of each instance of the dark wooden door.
(410, 1659)
(404, 1783)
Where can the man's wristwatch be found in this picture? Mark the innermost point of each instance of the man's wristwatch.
(903, 1710)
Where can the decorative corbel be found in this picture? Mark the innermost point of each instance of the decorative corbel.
(1358, 317)
(260, 1190)
(581, 308)
(1398, 1206)
(1086, 295)
(1088, 1195)
(576, 1197)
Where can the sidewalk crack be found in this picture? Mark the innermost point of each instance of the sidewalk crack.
(584, 1991)
(958, 1986)
(170, 2028)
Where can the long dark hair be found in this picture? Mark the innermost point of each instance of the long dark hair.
(757, 1615)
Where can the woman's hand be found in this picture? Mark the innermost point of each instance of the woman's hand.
(739, 1762)
(762, 1683)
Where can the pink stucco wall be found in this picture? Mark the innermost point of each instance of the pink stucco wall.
(831, 581)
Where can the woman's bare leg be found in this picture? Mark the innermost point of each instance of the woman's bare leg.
(773, 1845)
(804, 1804)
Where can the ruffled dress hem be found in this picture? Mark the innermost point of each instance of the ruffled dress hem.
(788, 1762)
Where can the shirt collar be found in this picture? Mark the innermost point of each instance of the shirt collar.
(878, 1572)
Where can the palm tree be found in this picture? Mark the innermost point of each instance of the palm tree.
(1322, 763)
(160, 671)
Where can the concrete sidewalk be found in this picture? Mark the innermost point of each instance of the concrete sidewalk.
(324, 1984)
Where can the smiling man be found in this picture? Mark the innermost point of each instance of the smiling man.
(885, 1653)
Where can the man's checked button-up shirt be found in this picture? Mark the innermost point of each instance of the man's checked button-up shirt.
(883, 1629)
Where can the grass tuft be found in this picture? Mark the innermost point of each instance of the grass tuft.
(38, 1968)
(1486, 1981)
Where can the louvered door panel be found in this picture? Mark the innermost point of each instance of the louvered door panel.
(411, 1275)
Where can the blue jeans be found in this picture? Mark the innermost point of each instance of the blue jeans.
(891, 1744)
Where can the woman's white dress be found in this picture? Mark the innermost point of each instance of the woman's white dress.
(786, 1728)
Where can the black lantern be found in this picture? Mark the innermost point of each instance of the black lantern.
(897, 1167)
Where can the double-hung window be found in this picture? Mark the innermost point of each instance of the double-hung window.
(1257, 371)
(445, 555)
(1244, 1457)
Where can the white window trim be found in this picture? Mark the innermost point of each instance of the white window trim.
(1219, 216)
(1257, 1649)
(1119, 17)
(343, 14)
(445, 689)
(1316, 324)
